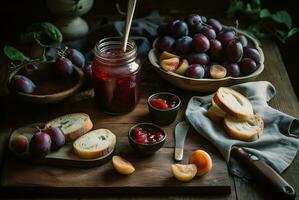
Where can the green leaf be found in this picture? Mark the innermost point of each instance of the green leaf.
(265, 13)
(29, 38)
(282, 17)
(52, 32)
(256, 4)
(14, 54)
(292, 32)
(257, 31)
(235, 6)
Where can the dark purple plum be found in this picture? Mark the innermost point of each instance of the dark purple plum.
(215, 24)
(252, 53)
(40, 145)
(19, 144)
(57, 137)
(199, 58)
(192, 20)
(180, 29)
(76, 57)
(215, 50)
(207, 71)
(247, 66)
(208, 32)
(195, 71)
(234, 51)
(243, 40)
(165, 43)
(22, 84)
(183, 45)
(225, 36)
(229, 28)
(162, 30)
(196, 29)
(64, 67)
(200, 43)
(232, 69)
(171, 24)
(87, 69)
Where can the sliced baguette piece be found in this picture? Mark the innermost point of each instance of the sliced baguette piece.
(95, 144)
(233, 103)
(215, 113)
(73, 125)
(244, 130)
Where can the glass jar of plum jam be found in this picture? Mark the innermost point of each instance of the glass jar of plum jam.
(116, 76)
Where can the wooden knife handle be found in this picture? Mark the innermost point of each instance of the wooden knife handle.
(264, 173)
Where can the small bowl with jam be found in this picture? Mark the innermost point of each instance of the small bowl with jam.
(39, 83)
(146, 138)
(163, 107)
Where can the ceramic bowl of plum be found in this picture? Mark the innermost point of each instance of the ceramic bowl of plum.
(163, 107)
(146, 138)
(45, 82)
(200, 54)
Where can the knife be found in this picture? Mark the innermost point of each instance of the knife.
(264, 173)
(181, 130)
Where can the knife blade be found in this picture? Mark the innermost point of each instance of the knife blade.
(181, 130)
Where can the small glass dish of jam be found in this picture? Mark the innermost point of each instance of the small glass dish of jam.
(146, 138)
(163, 107)
(116, 76)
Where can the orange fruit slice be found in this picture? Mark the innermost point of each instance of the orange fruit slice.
(184, 173)
(122, 166)
(167, 55)
(170, 64)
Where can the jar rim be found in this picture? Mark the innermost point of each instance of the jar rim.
(105, 47)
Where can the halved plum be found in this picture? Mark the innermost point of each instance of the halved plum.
(184, 173)
(122, 166)
(170, 64)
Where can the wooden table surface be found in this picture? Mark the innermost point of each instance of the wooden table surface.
(16, 114)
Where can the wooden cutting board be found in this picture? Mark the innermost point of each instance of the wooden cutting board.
(152, 175)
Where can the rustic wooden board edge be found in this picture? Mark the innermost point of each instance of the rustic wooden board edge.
(29, 191)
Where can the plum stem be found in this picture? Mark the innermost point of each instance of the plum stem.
(62, 52)
(38, 128)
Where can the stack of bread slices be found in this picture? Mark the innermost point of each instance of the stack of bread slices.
(236, 113)
(87, 144)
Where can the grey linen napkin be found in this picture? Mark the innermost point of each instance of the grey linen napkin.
(277, 146)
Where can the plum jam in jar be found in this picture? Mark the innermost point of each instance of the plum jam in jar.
(116, 76)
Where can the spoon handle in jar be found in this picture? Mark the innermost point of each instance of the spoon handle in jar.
(130, 13)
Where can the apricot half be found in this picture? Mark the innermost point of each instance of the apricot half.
(184, 173)
(122, 166)
(182, 68)
(170, 64)
(202, 160)
(167, 55)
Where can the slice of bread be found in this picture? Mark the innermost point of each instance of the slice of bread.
(95, 144)
(244, 130)
(233, 103)
(215, 113)
(73, 125)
